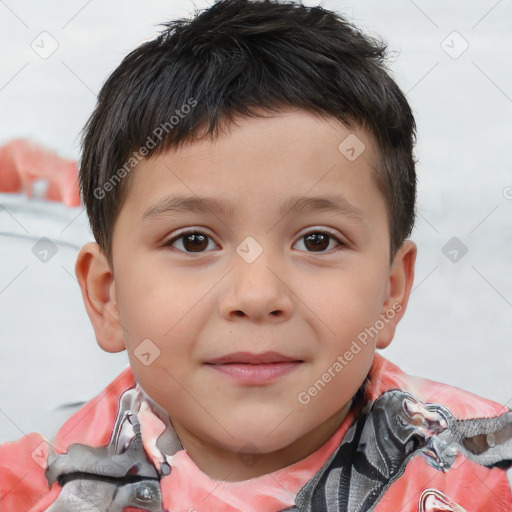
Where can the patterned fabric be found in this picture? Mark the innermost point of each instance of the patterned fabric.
(409, 444)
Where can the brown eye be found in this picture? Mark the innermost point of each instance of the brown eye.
(192, 241)
(195, 242)
(319, 241)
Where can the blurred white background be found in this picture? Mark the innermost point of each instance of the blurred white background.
(451, 58)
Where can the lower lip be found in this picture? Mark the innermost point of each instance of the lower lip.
(256, 373)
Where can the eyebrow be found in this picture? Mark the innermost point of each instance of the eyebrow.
(296, 204)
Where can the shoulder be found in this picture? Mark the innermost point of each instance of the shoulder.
(22, 466)
(417, 445)
(92, 424)
(385, 376)
(23, 463)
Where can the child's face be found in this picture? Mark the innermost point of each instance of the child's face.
(255, 282)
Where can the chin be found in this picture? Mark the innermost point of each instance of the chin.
(258, 437)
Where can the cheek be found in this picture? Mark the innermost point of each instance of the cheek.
(152, 304)
(347, 301)
(162, 313)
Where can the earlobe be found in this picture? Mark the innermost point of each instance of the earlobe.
(401, 278)
(96, 280)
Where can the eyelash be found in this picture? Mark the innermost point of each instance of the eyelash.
(183, 234)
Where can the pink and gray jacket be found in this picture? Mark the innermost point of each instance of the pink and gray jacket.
(408, 444)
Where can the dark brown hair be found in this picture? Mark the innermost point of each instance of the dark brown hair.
(241, 57)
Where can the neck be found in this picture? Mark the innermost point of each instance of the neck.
(223, 464)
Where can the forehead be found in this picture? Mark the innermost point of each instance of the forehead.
(281, 158)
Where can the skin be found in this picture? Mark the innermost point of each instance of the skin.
(199, 301)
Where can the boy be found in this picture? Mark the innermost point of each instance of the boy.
(270, 136)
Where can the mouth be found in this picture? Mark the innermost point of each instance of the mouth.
(255, 359)
(254, 369)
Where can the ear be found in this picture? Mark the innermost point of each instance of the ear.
(401, 277)
(96, 280)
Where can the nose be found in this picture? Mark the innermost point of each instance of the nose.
(257, 291)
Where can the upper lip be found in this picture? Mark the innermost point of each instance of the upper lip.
(249, 358)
